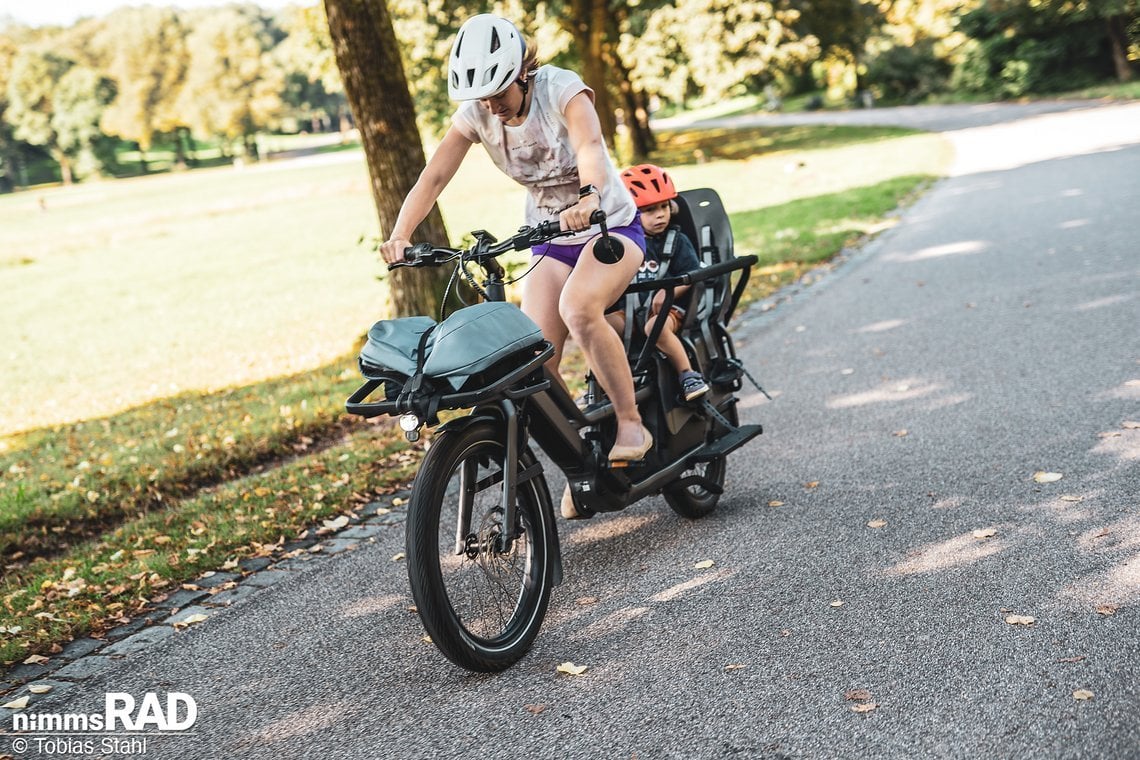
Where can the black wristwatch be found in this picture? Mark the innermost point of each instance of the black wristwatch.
(585, 190)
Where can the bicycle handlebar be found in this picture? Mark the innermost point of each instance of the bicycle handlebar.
(486, 247)
(697, 275)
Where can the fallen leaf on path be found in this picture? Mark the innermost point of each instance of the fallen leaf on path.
(1071, 497)
(535, 709)
(586, 600)
(1047, 477)
(900, 433)
(1082, 694)
(1020, 619)
(426, 639)
(877, 524)
(196, 618)
(334, 525)
(39, 688)
(857, 695)
(1078, 658)
(36, 659)
(16, 704)
(398, 501)
(735, 666)
(571, 669)
(1131, 425)
(985, 532)
(864, 707)
(811, 485)
(837, 603)
(704, 564)
(775, 503)
(1107, 609)
(397, 556)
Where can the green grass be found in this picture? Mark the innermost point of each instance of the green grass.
(77, 481)
(100, 582)
(182, 346)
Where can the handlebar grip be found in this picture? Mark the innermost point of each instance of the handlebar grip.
(417, 253)
(420, 254)
(598, 217)
(547, 229)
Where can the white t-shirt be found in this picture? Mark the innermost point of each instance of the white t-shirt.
(538, 154)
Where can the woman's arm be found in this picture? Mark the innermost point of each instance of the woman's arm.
(441, 167)
(586, 138)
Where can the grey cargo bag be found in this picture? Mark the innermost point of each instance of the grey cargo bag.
(468, 342)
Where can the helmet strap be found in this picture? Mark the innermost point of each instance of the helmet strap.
(524, 87)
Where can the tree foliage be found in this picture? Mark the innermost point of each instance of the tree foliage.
(55, 103)
(232, 89)
(145, 53)
(231, 72)
(1022, 46)
(710, 49)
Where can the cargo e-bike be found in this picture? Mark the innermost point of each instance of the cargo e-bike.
(482, 543)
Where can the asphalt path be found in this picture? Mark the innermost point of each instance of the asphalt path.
(992, 334)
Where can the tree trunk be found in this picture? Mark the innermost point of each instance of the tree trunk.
(1118, 39)
(635, 104)
(64, 162)
(588, 24)
(368, 56)
(179, 149)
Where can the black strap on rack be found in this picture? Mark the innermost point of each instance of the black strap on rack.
(417, 396)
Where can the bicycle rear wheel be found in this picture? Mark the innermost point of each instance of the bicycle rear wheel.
(695, 501)
(481, 601)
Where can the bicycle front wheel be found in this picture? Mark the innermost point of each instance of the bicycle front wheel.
(480, 596)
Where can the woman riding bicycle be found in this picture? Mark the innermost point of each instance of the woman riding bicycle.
(539, 126)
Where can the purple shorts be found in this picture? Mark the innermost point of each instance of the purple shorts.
(568, 254)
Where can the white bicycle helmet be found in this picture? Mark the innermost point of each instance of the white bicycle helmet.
(486, 57)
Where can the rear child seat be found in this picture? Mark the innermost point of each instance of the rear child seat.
(703, 219)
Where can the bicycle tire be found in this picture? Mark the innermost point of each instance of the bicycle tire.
(695, 501)
(482, 608)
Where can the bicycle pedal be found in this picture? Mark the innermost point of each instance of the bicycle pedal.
(622, 464)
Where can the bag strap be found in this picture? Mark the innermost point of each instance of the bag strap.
(417, 395)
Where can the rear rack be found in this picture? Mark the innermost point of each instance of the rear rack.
(357, 404)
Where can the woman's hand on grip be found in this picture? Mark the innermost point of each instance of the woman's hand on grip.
(392, 251)
(577, 217)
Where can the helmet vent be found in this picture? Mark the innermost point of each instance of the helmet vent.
(489, 74)
(458, 44)
(494, 39)
(470, 77)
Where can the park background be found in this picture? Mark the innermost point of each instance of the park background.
(188, 224)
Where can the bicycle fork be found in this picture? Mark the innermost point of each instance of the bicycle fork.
(510, 478)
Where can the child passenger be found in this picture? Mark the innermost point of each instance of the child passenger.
(665, 246)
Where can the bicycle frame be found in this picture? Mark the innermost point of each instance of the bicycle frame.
(525, 404)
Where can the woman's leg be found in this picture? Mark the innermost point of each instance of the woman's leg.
(592, 287)
(541, 289)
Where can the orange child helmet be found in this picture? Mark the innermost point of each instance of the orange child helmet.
(648, 184)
